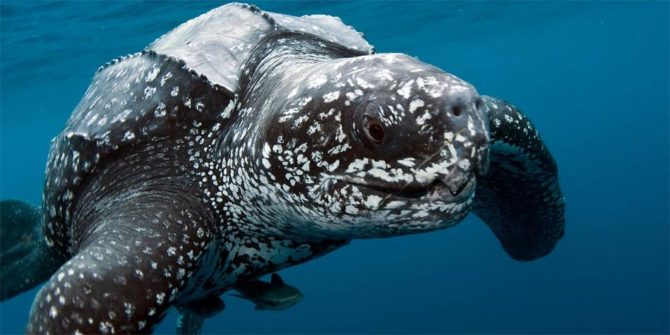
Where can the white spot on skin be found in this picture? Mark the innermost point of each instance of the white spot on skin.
(152, 74)
(384, 74)
(332, 167)
(129, 135)
(362, 83)
(421, 120)
(508, 118)
(129, 309)
(121, 117)
(102, 121)
(330, 97)
(406, 89)
(180, 273)
(357, 165)
(149, 91)
(409, 162)
(292, 93)
(416, 103)
(420, 214)
(160, 110)
(372, 201)
(464, 164)
(352, 210)
(266, 150)
(317, 82)
(199, 106)
(395, 204)
(165, 78)
(92, 119)
(106, 327)
(160, 297)
(226, 112)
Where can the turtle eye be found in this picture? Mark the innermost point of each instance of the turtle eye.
(374, 130)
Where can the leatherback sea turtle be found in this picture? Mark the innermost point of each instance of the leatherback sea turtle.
(243, 142)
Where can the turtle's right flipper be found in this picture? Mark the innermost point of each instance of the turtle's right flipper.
(25, 258)
(519, 197)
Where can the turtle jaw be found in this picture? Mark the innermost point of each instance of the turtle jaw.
(350, 208)
(437, 190)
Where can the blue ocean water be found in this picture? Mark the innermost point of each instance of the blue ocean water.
(593, 76)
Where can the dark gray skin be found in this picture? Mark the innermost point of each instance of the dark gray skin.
(239, 144)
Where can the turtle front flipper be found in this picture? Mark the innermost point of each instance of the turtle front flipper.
(136, 253)
(25, 258)
(519, 197)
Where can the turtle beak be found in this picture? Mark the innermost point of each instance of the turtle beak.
(457, 184)
(464, 167)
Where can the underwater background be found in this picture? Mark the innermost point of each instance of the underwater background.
(593, 76)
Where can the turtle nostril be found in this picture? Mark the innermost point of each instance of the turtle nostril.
(457, 110)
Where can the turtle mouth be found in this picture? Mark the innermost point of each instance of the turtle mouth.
(436, 190)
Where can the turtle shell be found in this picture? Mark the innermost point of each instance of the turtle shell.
(216, 43)
(187, 78)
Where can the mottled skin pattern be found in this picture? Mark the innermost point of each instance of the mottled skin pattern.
(320, 175)
(181, 174)
(519, 198)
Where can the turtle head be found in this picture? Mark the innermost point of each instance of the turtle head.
(373, 146)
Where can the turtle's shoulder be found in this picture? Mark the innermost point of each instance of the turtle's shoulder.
(143, 96)
(132, 101)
